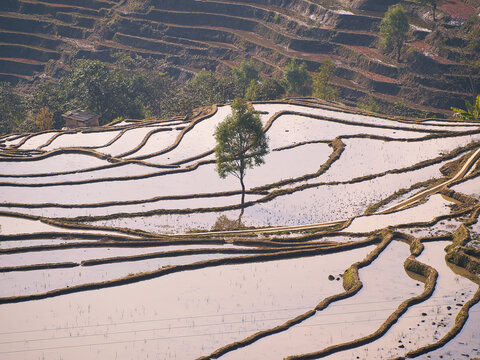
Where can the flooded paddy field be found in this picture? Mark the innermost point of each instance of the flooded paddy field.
(358, 240)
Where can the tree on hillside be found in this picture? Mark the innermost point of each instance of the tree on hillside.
(471, 112)
(244, 74)
(393, 29)
(297, 79)
(206, 88)
(44, 119)
(12, 108)
(433, 4)
(265, 89)
(96, 86)
(48, 95)
(321, 82)
(241, 143)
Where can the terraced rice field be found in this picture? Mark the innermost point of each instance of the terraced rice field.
(111, 244)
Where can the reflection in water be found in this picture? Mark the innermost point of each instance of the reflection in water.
(223, 223)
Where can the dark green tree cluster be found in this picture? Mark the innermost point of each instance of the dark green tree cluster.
(108, 91)
(120, 89)
(297, 79)
(322, 87)
(12, 109)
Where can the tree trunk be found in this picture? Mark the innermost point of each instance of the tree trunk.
(242, 203)
(243, 192)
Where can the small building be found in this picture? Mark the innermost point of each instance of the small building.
(80, 118)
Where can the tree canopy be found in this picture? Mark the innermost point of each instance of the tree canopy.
(244, 75)
(297, 79)
(241, 143)
(322, 87)
(12, 108)
(110, 92)
(393, 29)
(131, 87)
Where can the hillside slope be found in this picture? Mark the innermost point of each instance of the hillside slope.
(38, 37)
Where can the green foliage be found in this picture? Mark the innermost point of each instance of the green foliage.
(241, 142)
(244, 75)
(207, 88)
(12, 108)
(370, 105)
(48, 95)
(265, 89)
(393, 29)
(297, 79)
(399, 108)
(349, 278)
(321, 82)
(471, 112)
(97, 87)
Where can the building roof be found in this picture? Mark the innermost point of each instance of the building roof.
(80, 115)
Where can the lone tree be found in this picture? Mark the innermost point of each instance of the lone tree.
(393, 28)
(241, 143)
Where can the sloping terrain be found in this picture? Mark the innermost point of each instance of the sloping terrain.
(40, 36)
(353, 219)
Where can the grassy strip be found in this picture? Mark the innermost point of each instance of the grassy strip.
(324, 167)
(187, 252)
(144, 141)
(436, 220)
(67, 223)
(111, 244)
(104, 128)
(459, 255)
(338, 148)
(73, 150)
(121, 162)
(101, 129)
(456, 255)
(212, 111)
(372, 209)
(71, 225)
(133, 202)
(170, 270)
(411, 265)
(64, 265)
(76, 131)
